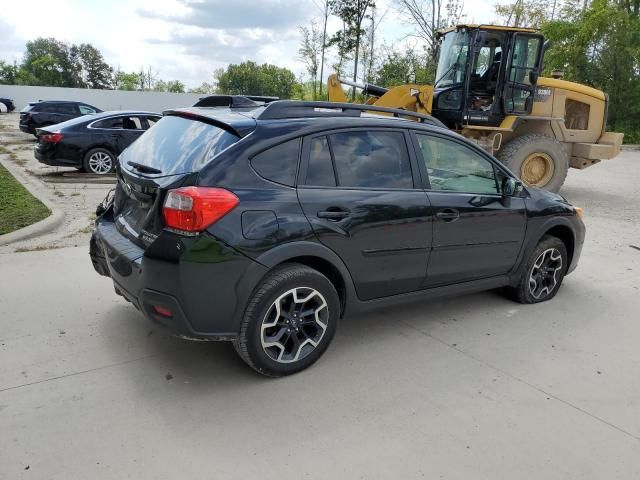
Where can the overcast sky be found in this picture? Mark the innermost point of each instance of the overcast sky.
(186, 39)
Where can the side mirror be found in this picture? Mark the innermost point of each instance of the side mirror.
(511, 186)
(533, 77)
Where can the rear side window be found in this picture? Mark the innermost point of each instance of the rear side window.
(64, 108)
(280, 163)
(115, 122)
(86, 110)
(374, 159)
(178, 145)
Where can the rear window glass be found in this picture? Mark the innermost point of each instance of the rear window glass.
(178, 145)
(280, 163)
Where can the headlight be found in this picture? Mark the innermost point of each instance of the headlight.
(579, 212)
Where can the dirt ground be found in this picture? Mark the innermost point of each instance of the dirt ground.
(66, 189)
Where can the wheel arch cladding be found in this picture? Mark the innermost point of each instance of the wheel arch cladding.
(565, 234)
(328, 270)
(316, 256)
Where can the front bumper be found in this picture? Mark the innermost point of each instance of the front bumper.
(579, 234)
(205, 287)
(608, 146)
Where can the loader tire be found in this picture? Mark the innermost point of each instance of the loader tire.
(538, 160)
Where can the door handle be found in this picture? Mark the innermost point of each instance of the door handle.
(334, 214)
(448, 214)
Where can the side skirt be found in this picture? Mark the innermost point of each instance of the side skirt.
(359, 306)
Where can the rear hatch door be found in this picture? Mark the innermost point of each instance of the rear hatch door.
(169, 155)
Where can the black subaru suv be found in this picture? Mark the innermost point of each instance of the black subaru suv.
(266, 225)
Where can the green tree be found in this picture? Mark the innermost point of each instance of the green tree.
(49, 62)
(352, 13)
(527, 13)
(160, 86)
(249, 78)
(205, 88)
(599, 45)
(8, 73)
(126, 81)
(310, 52)
(94, 71)
(406, 66)
(175, 86)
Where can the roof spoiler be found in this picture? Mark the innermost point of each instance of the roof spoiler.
(234, 101)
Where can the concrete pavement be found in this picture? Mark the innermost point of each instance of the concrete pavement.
(476, 387)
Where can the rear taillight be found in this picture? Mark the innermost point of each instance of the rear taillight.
(50, 137)
(192, 209)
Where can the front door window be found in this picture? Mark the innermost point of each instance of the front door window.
(522, 75)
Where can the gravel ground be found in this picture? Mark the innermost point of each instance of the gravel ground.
(76, 196)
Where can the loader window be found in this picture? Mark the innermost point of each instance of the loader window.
(453, 167)
(525, 61)
(453, 59)
(576, 115)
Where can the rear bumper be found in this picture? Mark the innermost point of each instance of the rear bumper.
(26, 128)
(206, 298)
(49, 157)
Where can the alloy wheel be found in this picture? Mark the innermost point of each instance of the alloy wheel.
(294, 325)
(544, 274)
(100, 163)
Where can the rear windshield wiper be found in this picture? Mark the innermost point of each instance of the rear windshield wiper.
(144, 168)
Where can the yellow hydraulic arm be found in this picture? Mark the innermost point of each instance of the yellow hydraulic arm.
(416, 98)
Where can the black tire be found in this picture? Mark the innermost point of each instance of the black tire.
(515, 152)
(89, 165)
(523, 292)
(261, 311)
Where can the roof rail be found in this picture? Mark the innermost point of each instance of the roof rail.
(282, 109)
(233, 101)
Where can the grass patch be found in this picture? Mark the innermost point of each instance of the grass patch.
(18, 208)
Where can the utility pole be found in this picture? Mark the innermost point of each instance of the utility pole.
(324, 42)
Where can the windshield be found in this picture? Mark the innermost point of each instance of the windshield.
(177, 145)
(453, 59)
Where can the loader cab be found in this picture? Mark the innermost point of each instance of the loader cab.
(486, 73)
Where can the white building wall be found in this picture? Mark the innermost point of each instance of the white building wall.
(103, 99)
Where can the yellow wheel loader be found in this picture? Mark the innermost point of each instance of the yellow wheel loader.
(488, 88)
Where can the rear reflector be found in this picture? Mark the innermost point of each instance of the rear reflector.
(163, 312)
(50, 137)
(192, 209)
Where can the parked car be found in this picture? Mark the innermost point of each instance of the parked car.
(6, 105)
(267, 226)
(51, 112)
(92, 143)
